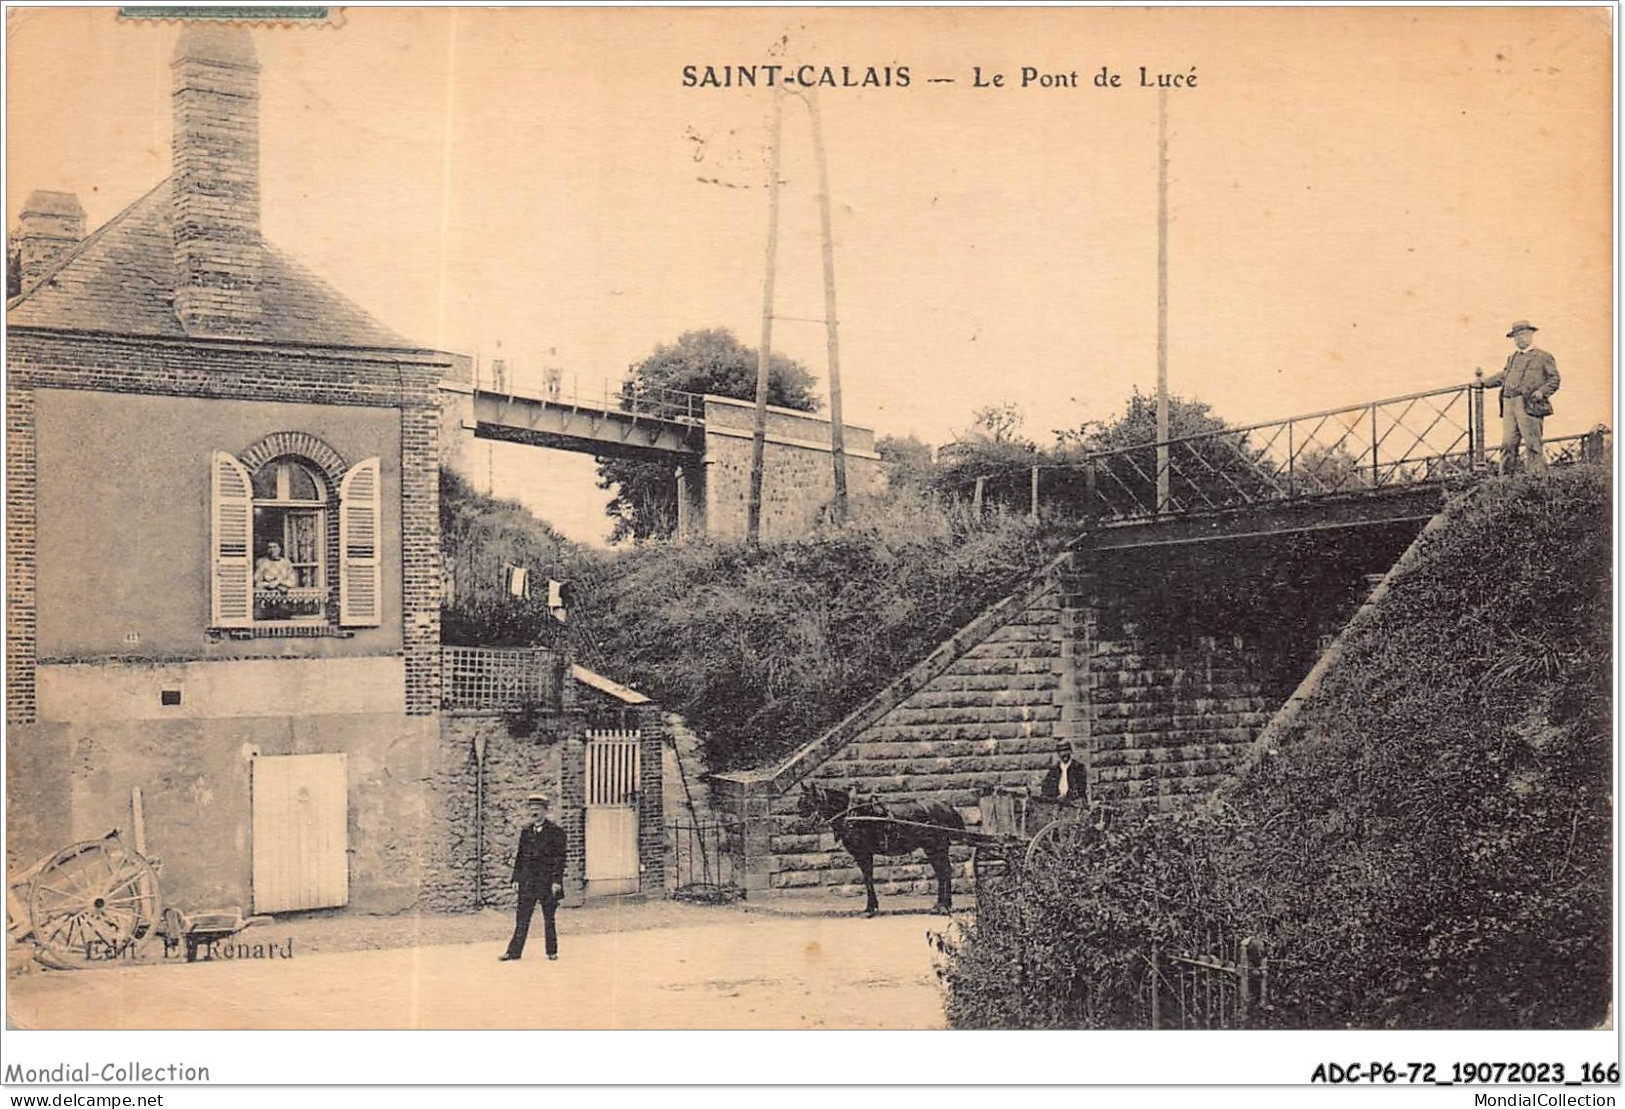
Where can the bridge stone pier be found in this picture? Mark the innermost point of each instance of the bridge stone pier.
(707, 440)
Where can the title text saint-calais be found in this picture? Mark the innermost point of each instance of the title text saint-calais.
(800, 76)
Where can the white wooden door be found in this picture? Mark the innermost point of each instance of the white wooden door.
(613, 765)
(301, 833)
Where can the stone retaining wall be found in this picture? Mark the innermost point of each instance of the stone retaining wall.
(1157, 726)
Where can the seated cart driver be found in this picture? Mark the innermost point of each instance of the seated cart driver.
(1065, 780)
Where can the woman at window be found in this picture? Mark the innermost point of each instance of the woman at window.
(274, 570)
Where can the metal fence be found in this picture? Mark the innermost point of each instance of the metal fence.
(705, 860)
(499, 679)
(1221, 983)
(1419, 439)
(1401, 441)
(629, 397)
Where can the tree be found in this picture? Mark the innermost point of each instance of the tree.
(712, 360)
(1208, 470)
(907, 460)
(1138, 425)
(992, 448)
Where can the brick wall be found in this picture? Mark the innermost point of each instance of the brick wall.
(651, 725)
(21, 475)
(420, 556)
(215, 151)
(45, 358)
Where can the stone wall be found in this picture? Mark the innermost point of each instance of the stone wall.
(1170, 724)
(458, 876)
(195, 777)
(798, 480)
(1158, 724)
(548, 754)
(988, 720)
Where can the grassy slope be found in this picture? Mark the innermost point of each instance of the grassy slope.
(1435, 829)
(764, 650)
(1428, 846)
(760, 650)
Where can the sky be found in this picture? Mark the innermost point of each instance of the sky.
(1361, 200)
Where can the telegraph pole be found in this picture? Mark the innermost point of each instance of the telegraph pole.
(837, 443)
(1162, 300)
(764, 356)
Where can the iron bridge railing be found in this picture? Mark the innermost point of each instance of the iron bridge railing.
(1410, 441)
(629, 398)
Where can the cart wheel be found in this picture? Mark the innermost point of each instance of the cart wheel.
(94, 902)
(1068, 837)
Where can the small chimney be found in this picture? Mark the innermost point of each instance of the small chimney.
(216, 180)
(51, 225)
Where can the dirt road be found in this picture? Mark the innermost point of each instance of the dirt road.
(735, 970)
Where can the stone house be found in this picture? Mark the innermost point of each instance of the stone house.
(223, 547)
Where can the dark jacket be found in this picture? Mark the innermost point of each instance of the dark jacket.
(1077, 782)
(538, 865)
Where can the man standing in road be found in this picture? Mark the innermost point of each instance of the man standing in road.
(538, 871)
(1527, 381)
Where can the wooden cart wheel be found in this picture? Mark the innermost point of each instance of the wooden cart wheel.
(94, 902)
(1063, 838)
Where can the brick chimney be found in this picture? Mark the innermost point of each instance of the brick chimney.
(51, 225)
(216, 179)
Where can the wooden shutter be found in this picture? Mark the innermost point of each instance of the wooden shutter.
(360, 567)
(231, 546)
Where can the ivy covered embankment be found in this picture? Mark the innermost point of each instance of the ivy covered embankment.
(1428, 845)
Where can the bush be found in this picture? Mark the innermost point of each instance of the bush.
(480, 534)
(1429, 847)
(1069, 944)
(762, 650)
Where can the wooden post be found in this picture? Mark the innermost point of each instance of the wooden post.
(1475, 423)
(1156, 988)
(837, 443)
(764, 356)
(1243, 958)
(1035, 495)
(138, 821)
(683, 522)
(1162, 300)
(976, 497)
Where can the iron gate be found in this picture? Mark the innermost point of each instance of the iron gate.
(1220, 985)
(706, 860)
(614, 763)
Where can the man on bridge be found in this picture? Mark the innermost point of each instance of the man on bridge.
(1527, 381)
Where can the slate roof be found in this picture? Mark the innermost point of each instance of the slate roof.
(122, 279)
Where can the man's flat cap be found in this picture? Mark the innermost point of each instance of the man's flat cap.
(1521, 325)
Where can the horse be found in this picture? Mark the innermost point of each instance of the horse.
(865, 839)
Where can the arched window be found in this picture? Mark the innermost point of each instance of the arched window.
(290, 542)
(294, 542)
